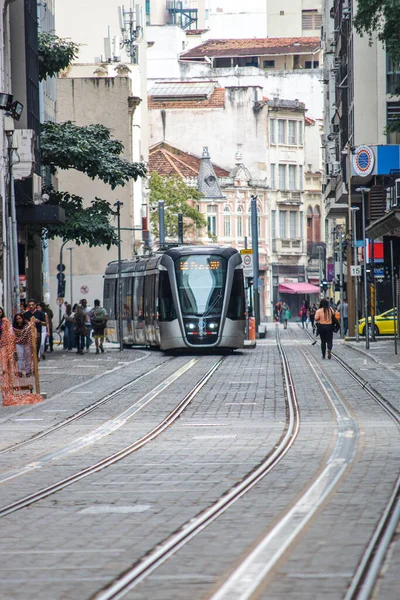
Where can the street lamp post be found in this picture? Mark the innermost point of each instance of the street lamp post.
(254, 245)
(118, 205)
(70, 274)
(354, 210)
(365, 190)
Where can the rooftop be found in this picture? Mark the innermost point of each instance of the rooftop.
(169, 161)
(253, 46)
(181, 94)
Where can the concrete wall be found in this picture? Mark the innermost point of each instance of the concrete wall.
(236, 19)
(85, 101)
(284, 17)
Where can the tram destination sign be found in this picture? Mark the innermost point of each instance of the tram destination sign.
(247, 259)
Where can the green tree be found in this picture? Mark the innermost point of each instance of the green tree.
(55, 54)
(381, 19)
(177, 196)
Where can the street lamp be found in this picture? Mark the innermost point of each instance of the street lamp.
(70, 273)
(354, 210)
(118, 205)
(365, 190)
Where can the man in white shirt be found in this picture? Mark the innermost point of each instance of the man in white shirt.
(87, 309)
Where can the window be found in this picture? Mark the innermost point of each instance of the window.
(239, 223)
(281, 131)
(293, 223)
(269, 64)
(292, 133)
(393, 76)
(273, 180)
(393, 115)
(212, 224)
(310, 19)
(167, 309)
(300, 133)
(282, 224)
(301, 177)
(292, 177)
(236, 301)
(227, 222)
(301, 224)
(201, 283)
(272, 131)
(273, 230)
(311, 64)
(282, 177)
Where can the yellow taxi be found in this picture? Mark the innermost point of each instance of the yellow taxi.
(384, 323)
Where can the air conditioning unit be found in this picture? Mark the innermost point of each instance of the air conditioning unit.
(397, 192)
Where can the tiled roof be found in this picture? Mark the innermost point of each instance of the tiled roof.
(216, 100)
(253, 47)
(309, 121)
(167, 161)
(195, 31)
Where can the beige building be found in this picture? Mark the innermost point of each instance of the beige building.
(106, 98)
(291, 18)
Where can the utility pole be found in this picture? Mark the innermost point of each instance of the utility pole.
(180, 229)
(394, 303)
(341, 283)
(354, 211)
(118, 204)
(70, 274)
(351, 234)
(161, 223)
(363, 191)
(13, 249)
(254, 245)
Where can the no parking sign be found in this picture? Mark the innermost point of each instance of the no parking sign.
(247, 259)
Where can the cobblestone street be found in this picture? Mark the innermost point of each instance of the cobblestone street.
(71, 542)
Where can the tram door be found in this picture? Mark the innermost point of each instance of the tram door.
(127, 301)
(138, 316)
(149, 307)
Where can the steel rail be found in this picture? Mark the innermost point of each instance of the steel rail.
(369, 568)
(155, 558)
(117, 456)
(82, 413)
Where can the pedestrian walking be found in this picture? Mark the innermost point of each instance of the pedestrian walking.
(345, 309)
(87, 310)
(303, 314)
(324, 318)
(286, 315)
(39, 318)
(80, 328)
(22, 345)
(67, 325)
(98, 320)
(47, 331)
(311, 314)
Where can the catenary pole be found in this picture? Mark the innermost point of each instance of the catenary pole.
(118, 205)
(354, 210)
(254, 245)
(341, 283)
(161, 223)
(395, 320)
(363, 190)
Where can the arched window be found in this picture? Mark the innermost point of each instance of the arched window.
(239, 223)
(317, 224)
(227, 221)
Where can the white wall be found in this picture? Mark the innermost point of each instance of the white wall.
(237, 19)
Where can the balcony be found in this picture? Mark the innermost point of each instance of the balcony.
(289, 246)
(288, 198)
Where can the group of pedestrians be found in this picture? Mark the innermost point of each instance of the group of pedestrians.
(79, 321)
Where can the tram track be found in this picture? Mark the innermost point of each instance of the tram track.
(127, 450)
(161, 553)
(83, 412)
(369, 568)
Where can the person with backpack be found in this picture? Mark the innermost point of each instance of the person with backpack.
(98, 320)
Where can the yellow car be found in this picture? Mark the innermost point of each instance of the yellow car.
(384, 323)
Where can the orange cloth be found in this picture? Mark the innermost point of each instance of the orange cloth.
(322, 318)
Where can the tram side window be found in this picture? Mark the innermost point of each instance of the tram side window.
(236, 301)
(167, 308)
(110, 289)
(138, 298)
(127, 298)
(149, 297)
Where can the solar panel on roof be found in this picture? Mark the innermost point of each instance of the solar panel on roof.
(183, 90)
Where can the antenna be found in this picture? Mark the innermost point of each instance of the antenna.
(121, 18)
(107, 49)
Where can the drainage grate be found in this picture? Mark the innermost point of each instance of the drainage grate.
(110, 509)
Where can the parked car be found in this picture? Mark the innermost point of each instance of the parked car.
(384, 323)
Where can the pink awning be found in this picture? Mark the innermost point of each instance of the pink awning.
(298, 288)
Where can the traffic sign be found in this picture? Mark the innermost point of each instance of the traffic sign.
(247, 259)
(355, 270)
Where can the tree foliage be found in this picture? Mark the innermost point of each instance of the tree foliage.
(82, 225)
(55, 54)
(88, 149)
(178, 198)
(381, 19)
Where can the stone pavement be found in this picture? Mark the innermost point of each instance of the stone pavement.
(70, 544)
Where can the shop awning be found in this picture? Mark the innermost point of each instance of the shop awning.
(298, 288)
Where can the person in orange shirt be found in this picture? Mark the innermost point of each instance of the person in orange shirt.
(324, 318)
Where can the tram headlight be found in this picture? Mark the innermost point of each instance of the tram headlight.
(190, 326)
(213, 325)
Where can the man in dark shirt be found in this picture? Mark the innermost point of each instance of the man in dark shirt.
(39, 317)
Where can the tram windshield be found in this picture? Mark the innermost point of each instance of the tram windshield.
(201, 283)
